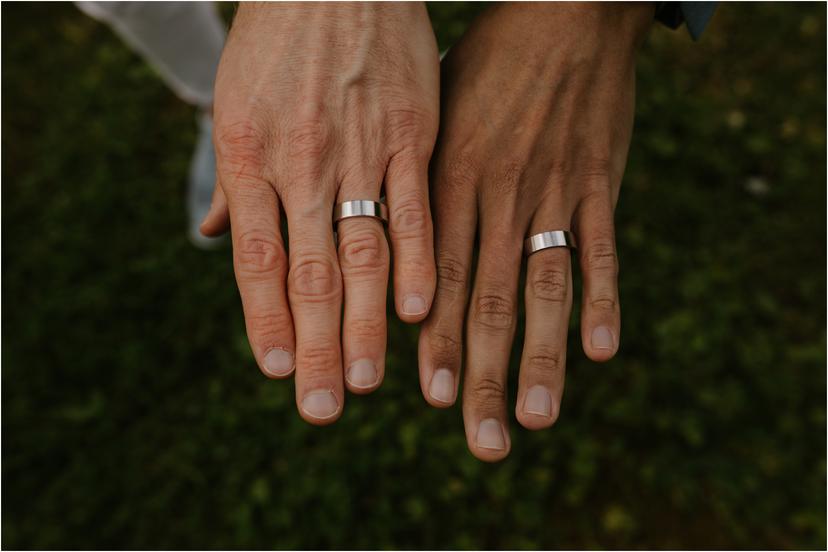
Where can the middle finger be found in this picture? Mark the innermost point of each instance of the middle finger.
(315, 293)
(489, 333)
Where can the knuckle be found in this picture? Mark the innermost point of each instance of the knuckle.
(410, 161)
(366, 327)
(410, 126)
(409, 219)
(600, 256)
(309, 136)
(597, 169)
(269, 329)
(259, 253)
(362, 251)
(599, 203)
(451, 274)
(507, 178)
(445, 348)
(314, 278)
(550, 284)
(460, 171)
(487, 390)
(544, 359)
(495, 312)
(607, 303)
(319, 360)
(240, 149)
(593, 169)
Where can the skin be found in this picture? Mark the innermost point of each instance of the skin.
(538, 104)
(315, 105)
(537, 111)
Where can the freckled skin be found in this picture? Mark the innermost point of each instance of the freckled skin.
(316, 104)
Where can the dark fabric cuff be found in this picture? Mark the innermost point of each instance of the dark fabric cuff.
(695, 14)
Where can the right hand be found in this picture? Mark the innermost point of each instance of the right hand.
(316, 104)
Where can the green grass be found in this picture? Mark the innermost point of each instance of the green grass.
(134, 416)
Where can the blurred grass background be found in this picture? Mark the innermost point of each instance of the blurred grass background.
(134, 416)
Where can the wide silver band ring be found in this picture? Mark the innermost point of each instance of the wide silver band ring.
(545, 240)
(360, 208)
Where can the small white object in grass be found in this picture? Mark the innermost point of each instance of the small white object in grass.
(757, 186)
(736, 119)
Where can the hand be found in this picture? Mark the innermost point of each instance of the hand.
(537, 111)
(316, 104)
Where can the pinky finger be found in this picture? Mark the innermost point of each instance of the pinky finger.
(411, 233)
(600, 310)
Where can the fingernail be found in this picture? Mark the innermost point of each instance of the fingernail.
(413, 305)
(362, 374)
(441, 387)
(320, 404)
(538, 401)
(278, 362)
(490, 435)
(601, 338)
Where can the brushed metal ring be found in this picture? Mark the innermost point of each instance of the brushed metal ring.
(545, 240)
(360, 208)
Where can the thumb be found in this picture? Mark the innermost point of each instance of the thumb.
(217, 220)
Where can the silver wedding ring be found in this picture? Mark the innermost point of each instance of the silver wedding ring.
(545, 240)
(360, 208)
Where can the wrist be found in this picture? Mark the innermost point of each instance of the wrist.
(348, 10)
(620, 22)
(634, 19)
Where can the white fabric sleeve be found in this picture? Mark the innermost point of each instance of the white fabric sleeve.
(181, 40)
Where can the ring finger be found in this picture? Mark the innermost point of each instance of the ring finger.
(363, 259)
(548, 300)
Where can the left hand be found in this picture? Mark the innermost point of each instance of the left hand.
(537, 111)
